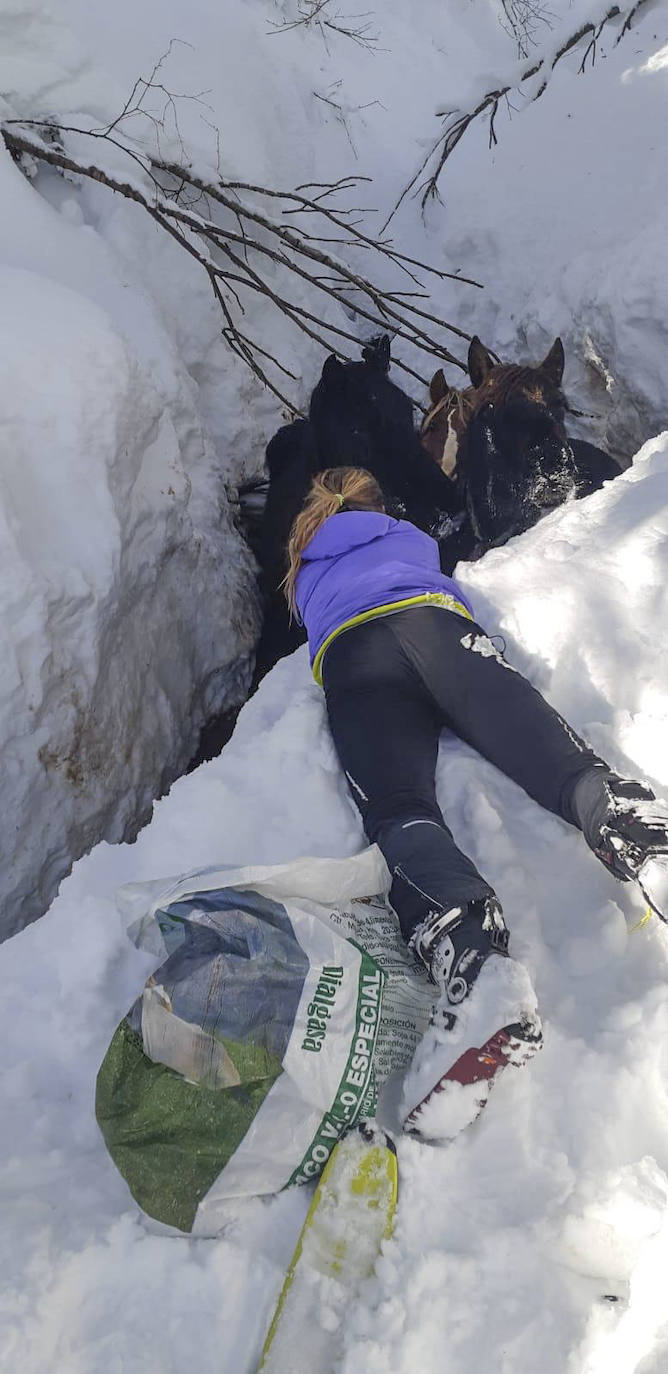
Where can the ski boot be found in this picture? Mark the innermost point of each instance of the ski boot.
(465, 952)
(453, 945)
(627, 828)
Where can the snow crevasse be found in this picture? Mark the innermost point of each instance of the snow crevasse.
(128, 607)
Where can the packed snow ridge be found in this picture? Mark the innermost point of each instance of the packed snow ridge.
(128, 611)
(128, 605)
(542, 1227)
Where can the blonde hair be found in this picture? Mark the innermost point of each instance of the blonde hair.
(330, 491)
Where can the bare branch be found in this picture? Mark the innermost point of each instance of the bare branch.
(523, 19)
(242, 248)
(317, 13)
(384, 246)
(456, 122)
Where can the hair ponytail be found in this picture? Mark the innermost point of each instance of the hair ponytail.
(330, 491)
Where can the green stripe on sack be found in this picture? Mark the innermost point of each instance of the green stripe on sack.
(170, 1139)
(356, 1088)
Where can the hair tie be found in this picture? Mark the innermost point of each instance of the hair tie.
(341, 499)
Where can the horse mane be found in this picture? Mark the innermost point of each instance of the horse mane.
(453, 398)
(511, 380)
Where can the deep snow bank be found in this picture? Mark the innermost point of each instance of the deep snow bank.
(564, 220)
(509, 1241)
(128, 607)
(553, 222)
(567, 219)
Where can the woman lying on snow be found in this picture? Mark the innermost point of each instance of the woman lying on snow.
(412, 661)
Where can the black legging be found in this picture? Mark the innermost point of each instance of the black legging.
(391, 686)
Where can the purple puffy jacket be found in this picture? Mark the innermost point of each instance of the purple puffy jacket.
(359, 560)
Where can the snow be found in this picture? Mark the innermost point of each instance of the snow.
(510, 1239)
(504, 997)
(353, 1210)
(654, 881)
(512, 1242)
(563, 222)
(115, 531)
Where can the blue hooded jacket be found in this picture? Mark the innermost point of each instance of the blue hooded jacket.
(359, 560)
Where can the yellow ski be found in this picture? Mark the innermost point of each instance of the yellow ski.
(350, 1216)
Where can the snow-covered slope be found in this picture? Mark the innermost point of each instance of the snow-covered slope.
(112, 345)
(515, 1240)
(128, 610)
(564, 220)
(511, 1245)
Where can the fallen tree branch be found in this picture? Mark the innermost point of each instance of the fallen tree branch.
(456, 122)
(224, 226)
(522, 21)
(318, 13)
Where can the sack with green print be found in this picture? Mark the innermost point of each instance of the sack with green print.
(262, 1035)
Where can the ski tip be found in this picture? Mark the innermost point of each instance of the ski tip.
(350, 1216)
(460, 1095)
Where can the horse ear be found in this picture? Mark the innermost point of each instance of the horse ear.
(438, 387)
(480, 361)
(384, 353)
(553, 363)
(377, 352)
(332, 370)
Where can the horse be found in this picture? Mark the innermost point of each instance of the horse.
(361, 419)
(357, 418)
(488, 462)
(502, 441)
(292, 462)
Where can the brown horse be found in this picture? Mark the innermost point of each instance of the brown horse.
(503, 442)
(445, 427)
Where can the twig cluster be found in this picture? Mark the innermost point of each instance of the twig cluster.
(522, 19)
(456, 122)
(341, 112)
(296, 249)
(320, 14)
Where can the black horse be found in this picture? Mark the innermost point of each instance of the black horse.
(509, 457)
(361, 419)
(357, 418)
(292, 462)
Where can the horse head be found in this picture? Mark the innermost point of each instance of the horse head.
(355, 409)
(519, 463)
(361, 419)
(443, 429)
(504, 441)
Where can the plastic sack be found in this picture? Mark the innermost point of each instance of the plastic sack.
(285, 997)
